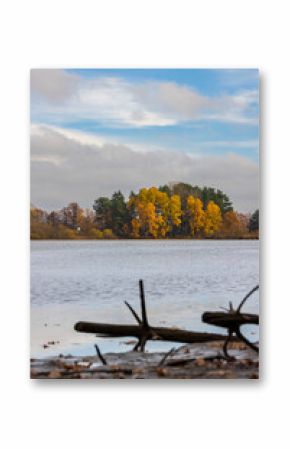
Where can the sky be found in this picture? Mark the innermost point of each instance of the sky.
(96, 131)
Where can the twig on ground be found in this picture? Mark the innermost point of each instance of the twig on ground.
(101, 357)
(162, 361)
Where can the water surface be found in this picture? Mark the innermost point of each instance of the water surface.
(89, 280)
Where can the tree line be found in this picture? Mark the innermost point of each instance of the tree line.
(170, 211)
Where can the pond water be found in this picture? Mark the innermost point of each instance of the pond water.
(89, 280)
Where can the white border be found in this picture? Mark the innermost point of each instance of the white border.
(144, 34)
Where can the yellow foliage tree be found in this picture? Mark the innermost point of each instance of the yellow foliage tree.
(213, 219)
(155, 213)
(151, 220)
(150, 207)
(135, 233)
(175, 210)
(196, 214)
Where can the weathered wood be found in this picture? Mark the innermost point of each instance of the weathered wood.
(229, 319)
(232, 320)
(101, 357)
(162, 333)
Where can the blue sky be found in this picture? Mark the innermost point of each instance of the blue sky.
(209, 115)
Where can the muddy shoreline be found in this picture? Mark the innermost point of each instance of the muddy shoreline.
(194, 361)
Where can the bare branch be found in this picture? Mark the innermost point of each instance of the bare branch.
(225, 346)
(101, 357)
(162, 361)
(245, 340)
(143, 305)
(246, 297)
(134, 313)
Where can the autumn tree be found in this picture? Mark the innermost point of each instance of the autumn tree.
(176, 210)
(233, 225)
(39, 225)
(151, 210)
(63, 232)
(38, 215)
(135, 232)
(175, 213)
(195, 215)
(145, 222)
(72, 215)
(87, 222)
(213, 219)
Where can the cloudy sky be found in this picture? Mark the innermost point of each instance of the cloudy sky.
(97, 131)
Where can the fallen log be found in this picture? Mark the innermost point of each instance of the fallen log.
(228, 320)
(158, 333)
(143, 331)
(232, 320)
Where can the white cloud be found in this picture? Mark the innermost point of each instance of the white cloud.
(59, 96)
(178, 102)
(81, 137)
(52, 85)
(85, 138)
(67, 167)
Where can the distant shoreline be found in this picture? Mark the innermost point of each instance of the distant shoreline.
(145, 239)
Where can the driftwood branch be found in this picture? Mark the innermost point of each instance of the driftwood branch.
(147, 333)
(229, 320)
(162, 361)
(246, 297)
(164, 333)
(232, 320)
(225, 346)
(101, 357)
(135, 315)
